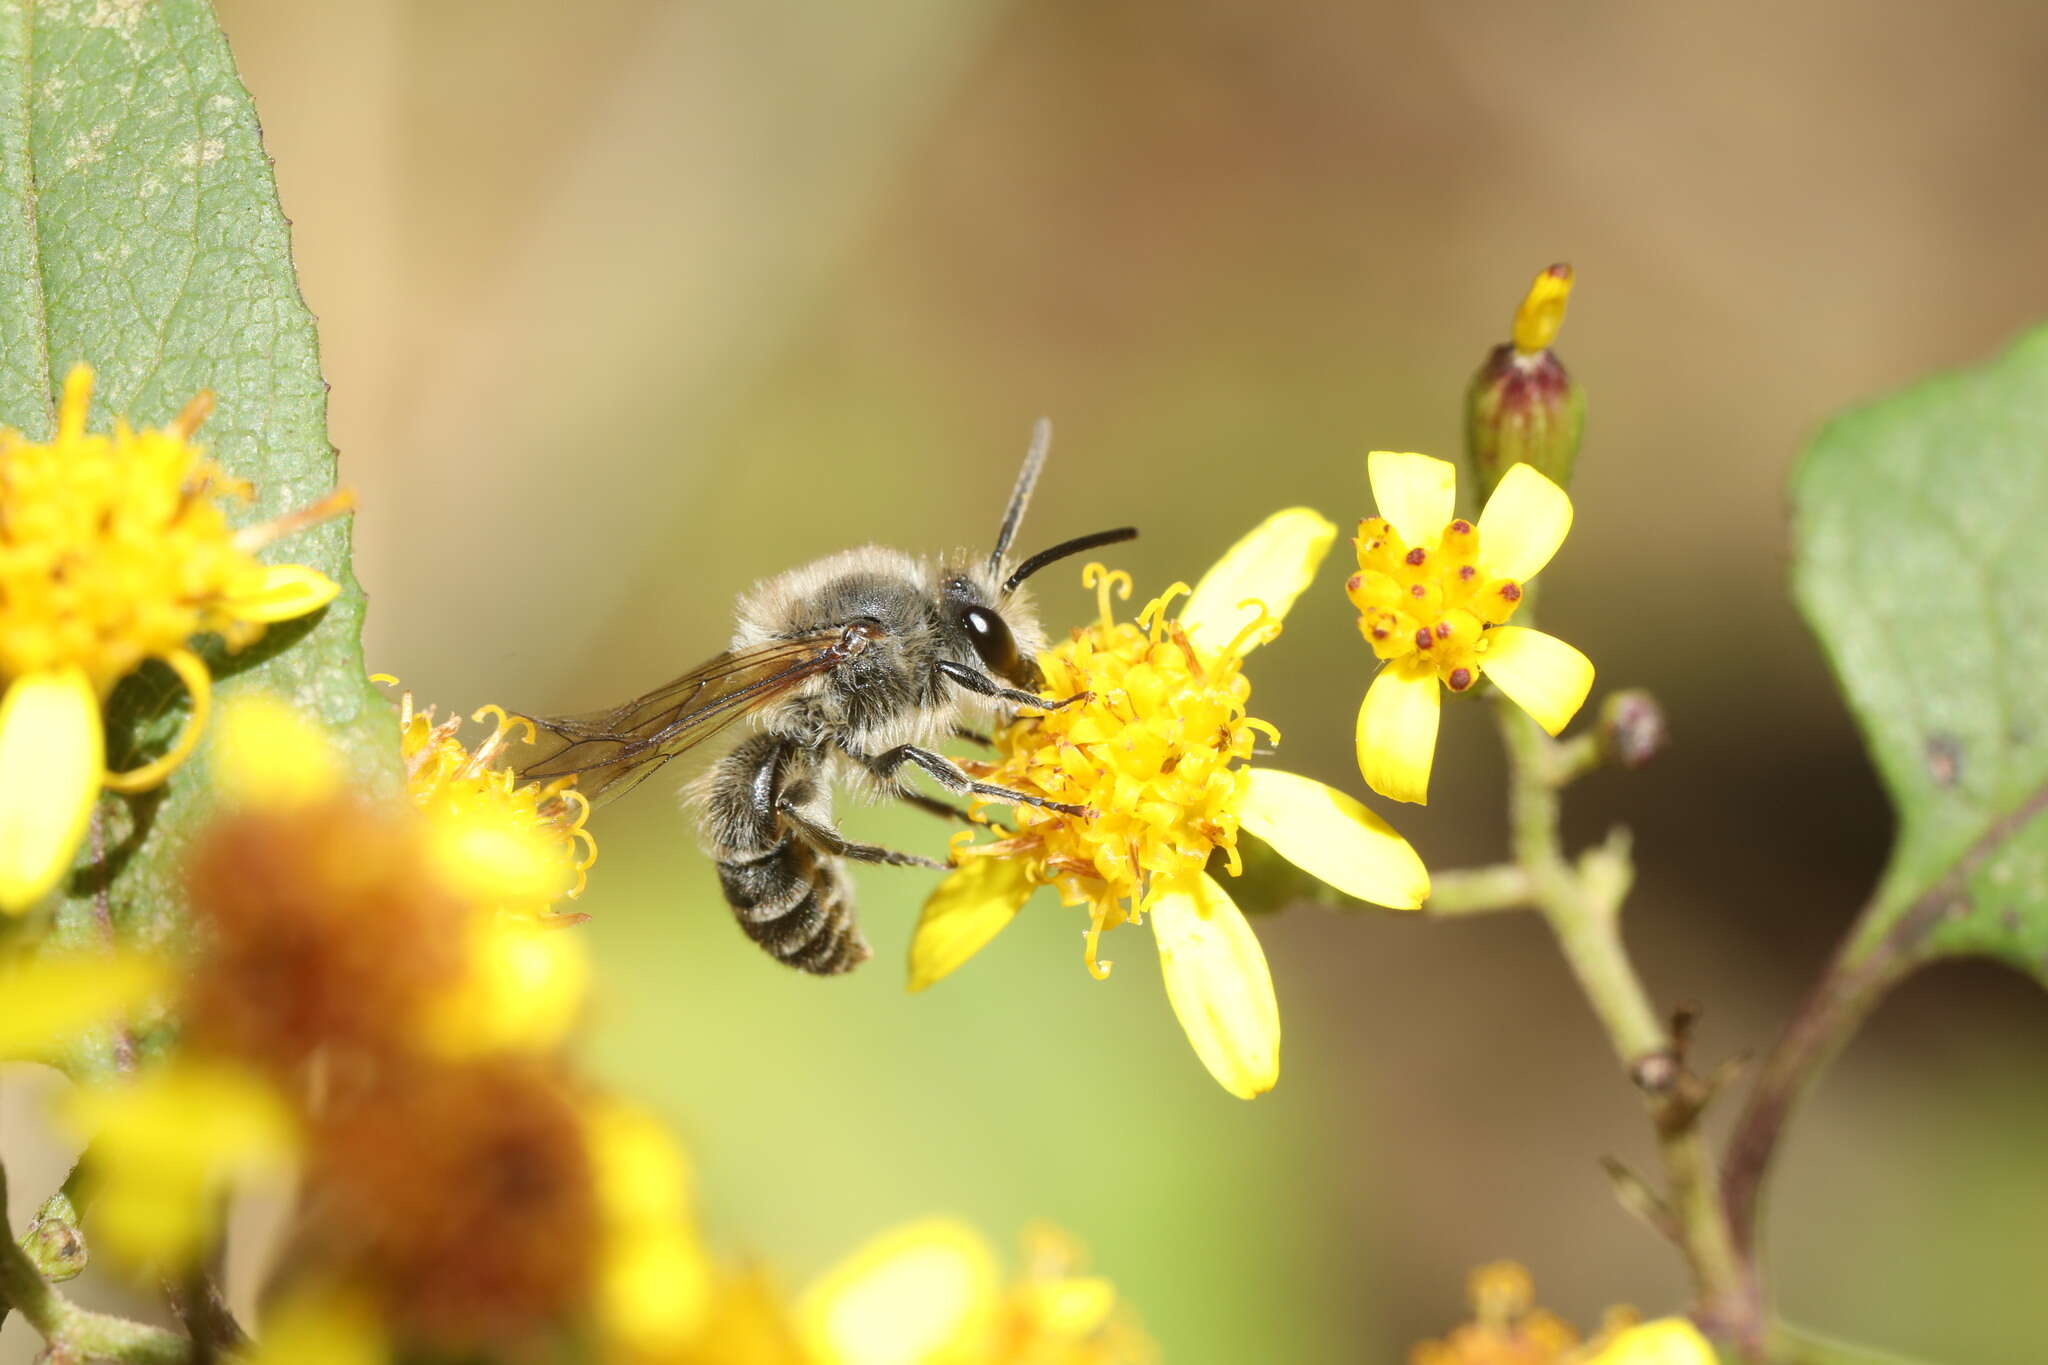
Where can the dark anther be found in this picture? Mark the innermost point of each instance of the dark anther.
(1511, 591)
(1467, 573)
(1462, 527)
(1417, 555)
(1415, 590)
(1423, 639)
(1443, 630)
(1460, 679)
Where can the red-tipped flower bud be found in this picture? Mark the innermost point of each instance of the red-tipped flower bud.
(1522, 406)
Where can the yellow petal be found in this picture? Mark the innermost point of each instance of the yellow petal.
(1270, 566)
(1523, 523)
(1324, 832)
(903, 1298)
(1397, 732)
(1542, 674)
(970, 907)
(1667, 1341)
(1542, 312)
(265, 753)
(1217, 979)
(279, 592)
(45, 1001)
(1417, 493)
(52, 753)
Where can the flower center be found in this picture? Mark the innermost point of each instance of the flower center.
(1150, 753)
(113, 548)
(1428, 606)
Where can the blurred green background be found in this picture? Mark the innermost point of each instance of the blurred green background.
(626, 304)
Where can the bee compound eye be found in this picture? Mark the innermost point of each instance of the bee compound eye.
(992, 640)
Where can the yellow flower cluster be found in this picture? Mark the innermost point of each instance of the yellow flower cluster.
(354, 1013)
(1507, 1328)
(115, 550)
(1159, 754)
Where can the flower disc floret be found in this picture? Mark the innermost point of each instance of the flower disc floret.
(1150, 753)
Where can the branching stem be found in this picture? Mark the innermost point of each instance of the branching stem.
(74, 1334)
(1582, 904)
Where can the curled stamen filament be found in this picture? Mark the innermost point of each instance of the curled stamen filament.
(1103, 580)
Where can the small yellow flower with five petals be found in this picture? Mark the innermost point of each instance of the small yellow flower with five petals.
(114, 550)
(1434, 593)
(1159, 756)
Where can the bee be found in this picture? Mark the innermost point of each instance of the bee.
(849, 669)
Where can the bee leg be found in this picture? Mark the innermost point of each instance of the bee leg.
(984, 686)
(948, 775)
(973, 736)
(945, 810)
(821, 835)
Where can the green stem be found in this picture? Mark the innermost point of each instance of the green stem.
(1479, 890)
(1582, 905)
(74, 1333)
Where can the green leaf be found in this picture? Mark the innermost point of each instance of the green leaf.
(1922, 564)
(140, 233)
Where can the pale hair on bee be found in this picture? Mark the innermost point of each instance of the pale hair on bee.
(848, 670)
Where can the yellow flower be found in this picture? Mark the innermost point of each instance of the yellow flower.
(930, 1294)
(654, 1279)
(54, 997)
(516, 849)
(1159, 755)
(319, 1325)
(165, 1148)
(529, 839)
(1667, 1341)
(1507, 1327)
(1433, 593)
(116, 551)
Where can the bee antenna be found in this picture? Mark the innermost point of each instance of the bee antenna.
(1065, 548)
(1020, 496)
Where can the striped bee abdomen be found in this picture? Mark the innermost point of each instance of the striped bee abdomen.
(791, 897)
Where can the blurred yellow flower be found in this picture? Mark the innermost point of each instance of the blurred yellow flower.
(319, 1325)
(514, 849)
(165, 1148)
(654, 1279)
(1433, 592)
(47, 1000)
(117, 552)
(1160, 756)
(1509, 1329)
(1667, 1341)
(930, 1293)
(384, 928)
(528, 839)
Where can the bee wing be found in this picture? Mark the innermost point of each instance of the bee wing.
(611, 752)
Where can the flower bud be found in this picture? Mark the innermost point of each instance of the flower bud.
(54, 1241)
(1522, 406)
(1632, 728)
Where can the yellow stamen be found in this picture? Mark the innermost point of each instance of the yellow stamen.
(1103, 579)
